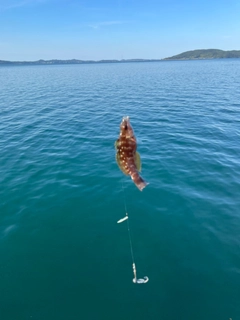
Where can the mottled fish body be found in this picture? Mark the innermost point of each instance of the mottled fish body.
(127, 157)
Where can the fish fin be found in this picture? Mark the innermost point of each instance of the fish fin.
(120, 166)
(139, 182)
(116, 144)
(138, 162)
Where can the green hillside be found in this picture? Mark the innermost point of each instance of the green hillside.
(205, 54)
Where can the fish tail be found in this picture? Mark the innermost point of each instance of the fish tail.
(138, 180)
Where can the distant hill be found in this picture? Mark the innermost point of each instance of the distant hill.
(205, 54)
(188, 55)
(72, 61)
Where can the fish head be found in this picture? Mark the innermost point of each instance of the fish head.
(126, 129)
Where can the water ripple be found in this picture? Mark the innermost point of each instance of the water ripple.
(60, 183)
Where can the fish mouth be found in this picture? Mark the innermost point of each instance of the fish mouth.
(125, 119)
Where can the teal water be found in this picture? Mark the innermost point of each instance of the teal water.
(63, 256)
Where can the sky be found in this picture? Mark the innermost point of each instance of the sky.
(115, 29)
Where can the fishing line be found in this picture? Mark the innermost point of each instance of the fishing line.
(135, 279)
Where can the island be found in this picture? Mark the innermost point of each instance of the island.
(205, 54)
(72, 61)
(188, 55)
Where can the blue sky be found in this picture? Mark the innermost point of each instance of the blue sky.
(120, 29)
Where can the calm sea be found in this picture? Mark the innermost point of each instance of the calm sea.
(63, 255)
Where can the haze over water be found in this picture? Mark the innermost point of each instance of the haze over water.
(63, 256)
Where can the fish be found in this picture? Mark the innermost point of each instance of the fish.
(127, 157)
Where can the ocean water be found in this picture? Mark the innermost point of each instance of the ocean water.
(63, 255)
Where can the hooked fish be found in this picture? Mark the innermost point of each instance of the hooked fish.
(127, 157)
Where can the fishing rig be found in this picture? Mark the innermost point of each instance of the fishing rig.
(126, 218)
